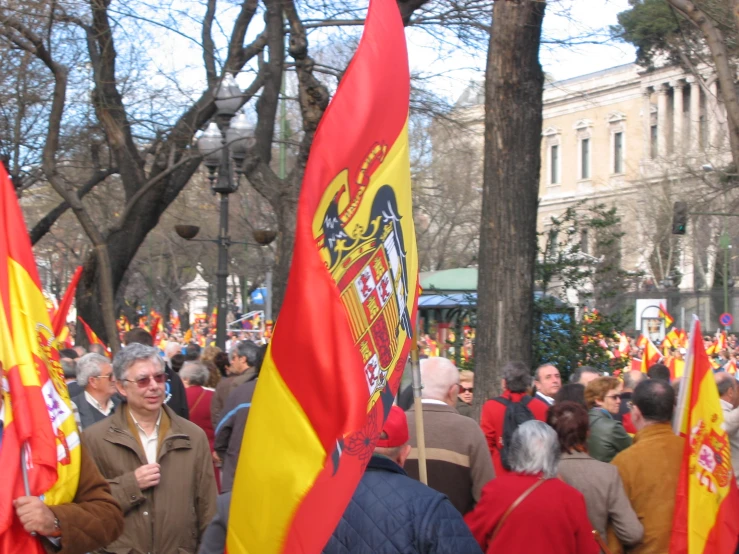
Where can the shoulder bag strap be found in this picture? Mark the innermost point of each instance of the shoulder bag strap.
(601, 542)
(513, 506)
(195, 405)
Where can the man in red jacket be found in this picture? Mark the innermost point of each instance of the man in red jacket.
(516, 384)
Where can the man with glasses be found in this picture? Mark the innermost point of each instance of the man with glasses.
(97, 401)
(158, 464)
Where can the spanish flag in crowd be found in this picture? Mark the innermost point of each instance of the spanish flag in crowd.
(343, 335)
(38, 414)
(707, 502)
(59, 321)
(718, 345)
(92, 337)
(650, 356)
(664, 314)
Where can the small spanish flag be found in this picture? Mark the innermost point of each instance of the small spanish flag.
(664, 314)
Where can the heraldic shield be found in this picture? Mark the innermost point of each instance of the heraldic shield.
(361, 238)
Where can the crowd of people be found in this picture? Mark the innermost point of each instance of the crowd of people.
(593, 462)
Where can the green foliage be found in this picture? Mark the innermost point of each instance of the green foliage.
(562, 335)
(650, 25)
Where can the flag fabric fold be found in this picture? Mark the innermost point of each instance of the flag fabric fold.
(342, 340)
(38, 414)
(650, 356)
(706, 516)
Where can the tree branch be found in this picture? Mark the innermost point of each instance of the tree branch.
(208, 45)
(44, 225)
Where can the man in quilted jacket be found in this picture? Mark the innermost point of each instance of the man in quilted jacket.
(389, 512)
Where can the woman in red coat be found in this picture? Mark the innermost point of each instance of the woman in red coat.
(530, 510)
(194, 376)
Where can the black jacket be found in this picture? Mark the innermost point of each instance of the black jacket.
(88, 413)
(390, 513)
(174, 394)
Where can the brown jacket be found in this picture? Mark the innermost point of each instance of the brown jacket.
(650, 469)
(172, 516)
(223, 390)
(93, 519)
(458, 462)
(604, 494)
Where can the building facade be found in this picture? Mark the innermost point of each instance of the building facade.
(639, 140)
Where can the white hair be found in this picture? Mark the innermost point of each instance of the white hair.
(90, 365)
(534, 449)
(195, 373)
(437, 376)
(171, 349)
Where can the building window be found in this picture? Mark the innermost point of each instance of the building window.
(585, 158)
(618, 152)
(554, 164)
(653, 142)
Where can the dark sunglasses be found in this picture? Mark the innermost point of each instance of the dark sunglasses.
(615, 396)
(143, 382)
(465, 389)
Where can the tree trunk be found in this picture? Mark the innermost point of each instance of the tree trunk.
(514, 83)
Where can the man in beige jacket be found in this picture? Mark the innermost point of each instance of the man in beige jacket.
(158, 464)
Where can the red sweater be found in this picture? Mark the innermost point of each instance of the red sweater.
(555, 509)
(491, 421)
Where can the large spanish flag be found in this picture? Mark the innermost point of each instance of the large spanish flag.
(707, 503)
(38, 414)
(343, 336)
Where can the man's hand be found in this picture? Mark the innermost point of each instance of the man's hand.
(216, 458)
(35, 516)
(147, 476)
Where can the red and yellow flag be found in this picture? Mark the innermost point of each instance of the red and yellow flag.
(60, 316)
(707, 502)
(342, 340)
(664, 314)
(650, 356)
(38, 414)
(92, 337)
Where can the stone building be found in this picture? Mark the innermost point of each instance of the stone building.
(638, 140)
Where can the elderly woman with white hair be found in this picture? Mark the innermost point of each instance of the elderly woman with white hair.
(195, 376)
(530, 509)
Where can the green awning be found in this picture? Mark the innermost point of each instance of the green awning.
(462, 279)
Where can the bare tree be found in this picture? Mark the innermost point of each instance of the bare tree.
(514, 83)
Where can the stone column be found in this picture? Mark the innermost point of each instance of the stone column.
(646, 109)
(695, 114)
(712, 116)
(678, 141)
(662, 134)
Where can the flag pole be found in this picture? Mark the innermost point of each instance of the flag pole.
(418, 405)
(24, 472)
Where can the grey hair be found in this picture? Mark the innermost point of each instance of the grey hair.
(69, 368)
(517, 376)
(245, 349)
(132, 353)
(438, 375)
(535, 449)
(90, 365)
(195, 373)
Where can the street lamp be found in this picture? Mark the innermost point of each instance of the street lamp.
(225, 138)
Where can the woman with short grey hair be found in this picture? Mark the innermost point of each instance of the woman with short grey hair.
(502, 519)
(194, 373)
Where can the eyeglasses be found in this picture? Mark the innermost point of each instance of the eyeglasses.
(614, 396)
(143, 382)
(465, 389)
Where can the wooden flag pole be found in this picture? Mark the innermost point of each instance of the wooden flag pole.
(417, 387)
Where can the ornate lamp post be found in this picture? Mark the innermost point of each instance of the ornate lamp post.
(225, 139)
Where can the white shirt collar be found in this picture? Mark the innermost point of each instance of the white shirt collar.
(549, 399)
(432, 401)
(105, 410)
(156, 426)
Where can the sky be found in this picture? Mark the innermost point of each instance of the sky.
(563, 19)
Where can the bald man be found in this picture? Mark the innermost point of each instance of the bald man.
(457, 458)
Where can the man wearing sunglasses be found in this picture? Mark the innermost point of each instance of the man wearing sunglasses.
(158, 464)
(98, 400)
